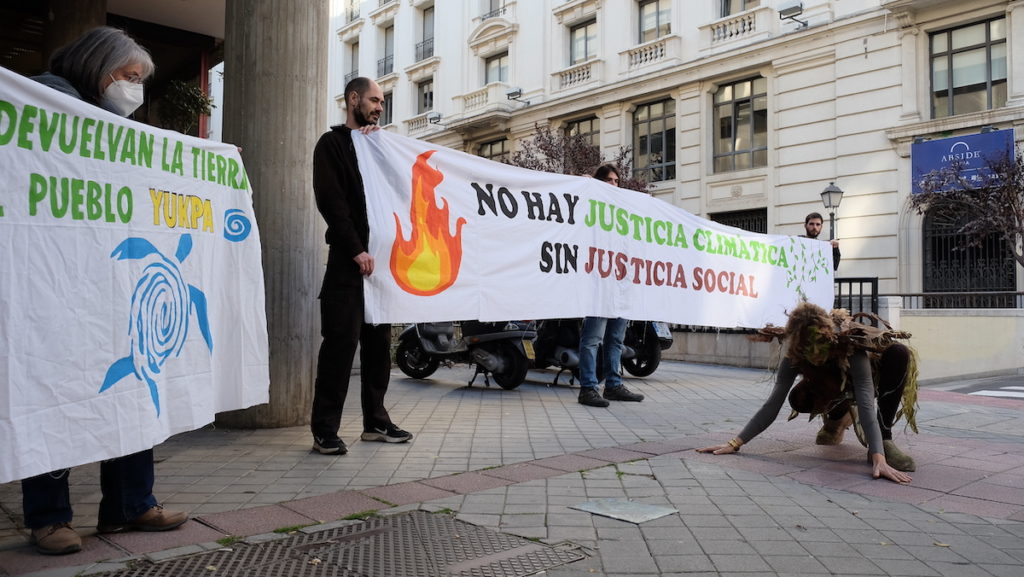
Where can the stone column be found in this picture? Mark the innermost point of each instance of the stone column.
(275, 109)
(1014, 58)
(69, 19)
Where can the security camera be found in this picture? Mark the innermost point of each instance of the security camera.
(434, 117)
(790, 9)
(514, 93)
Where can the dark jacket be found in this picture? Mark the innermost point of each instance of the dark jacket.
(338, 188)
(58, 83)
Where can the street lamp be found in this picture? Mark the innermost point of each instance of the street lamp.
(831, 197)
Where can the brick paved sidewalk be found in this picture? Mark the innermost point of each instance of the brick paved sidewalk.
(511, 461)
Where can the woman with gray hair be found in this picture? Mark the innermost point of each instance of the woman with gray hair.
(106, 68)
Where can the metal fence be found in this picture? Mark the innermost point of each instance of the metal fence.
(963, 300)
(425, 49)
(856, 294)
(385, 66)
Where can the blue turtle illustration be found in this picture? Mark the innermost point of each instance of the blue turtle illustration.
(161, 308)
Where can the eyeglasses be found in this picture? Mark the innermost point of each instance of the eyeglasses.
(133, 78)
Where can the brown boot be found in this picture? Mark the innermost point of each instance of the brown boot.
(156, 519)
(832, 431)
(896, 458)
(59, 539)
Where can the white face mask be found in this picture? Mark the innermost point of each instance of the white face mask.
(122, 97)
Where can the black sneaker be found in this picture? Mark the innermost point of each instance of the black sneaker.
(329, 446)
(621, 393)
(590, 397)
(388, 434)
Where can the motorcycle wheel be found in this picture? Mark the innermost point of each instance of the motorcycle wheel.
(646, 360)
(516, 366)
(414, 361)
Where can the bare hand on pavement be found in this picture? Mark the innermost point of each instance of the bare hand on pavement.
(880, 468)
(718, 450)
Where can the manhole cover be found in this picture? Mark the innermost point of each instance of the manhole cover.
(417, 544)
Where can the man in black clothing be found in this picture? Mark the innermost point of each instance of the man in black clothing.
(340, 198)
(837, 420)
(812, 228)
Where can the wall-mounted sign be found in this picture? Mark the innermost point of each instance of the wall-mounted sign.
(973, 153)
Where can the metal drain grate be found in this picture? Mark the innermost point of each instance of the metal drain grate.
(417, 544)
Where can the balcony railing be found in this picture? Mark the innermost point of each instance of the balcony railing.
(578, 75)
(493, 13)
(351, 75)
(490, 98)
(745, 27)
(385, 66)
(353, 13)
(646, 54)
(417, 123)
(425, 49)
(663, 50)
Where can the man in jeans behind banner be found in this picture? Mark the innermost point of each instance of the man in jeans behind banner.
(611, 332)
(341, 199)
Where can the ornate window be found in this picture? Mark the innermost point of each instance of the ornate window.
(730, 7)
(386, 65)
(495, 8)
(387, 116)
(753, 220)
(952, 263)
(654, 19)
(583, 42)
(425, 96)
(741, 125)
(654, 141)
(353, 62)
(425, 49)
(968, 68)
(496, 150)
(496, 68)
(588, 128)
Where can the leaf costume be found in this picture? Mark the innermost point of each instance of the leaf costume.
(845, 365)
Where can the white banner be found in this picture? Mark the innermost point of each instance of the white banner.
(459, 237)
(131, 285)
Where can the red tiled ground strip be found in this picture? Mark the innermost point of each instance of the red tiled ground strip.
(255, 520)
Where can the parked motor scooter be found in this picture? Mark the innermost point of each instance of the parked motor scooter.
(501, 349)
(646, 339)
(558, 342)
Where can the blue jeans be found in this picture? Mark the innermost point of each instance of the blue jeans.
(126, 484)
(595, 331)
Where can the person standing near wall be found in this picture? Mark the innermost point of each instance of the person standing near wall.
(105, 68)
(341, 199)
(610, 332)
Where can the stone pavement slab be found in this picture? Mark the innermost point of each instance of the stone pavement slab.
(515, 461)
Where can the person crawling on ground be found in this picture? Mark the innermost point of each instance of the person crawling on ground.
(844, 365)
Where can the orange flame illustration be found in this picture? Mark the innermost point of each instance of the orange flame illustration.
(428, 262)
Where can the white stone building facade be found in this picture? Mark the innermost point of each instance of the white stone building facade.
(732, 110)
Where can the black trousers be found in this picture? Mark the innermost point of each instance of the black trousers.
(342, 327)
